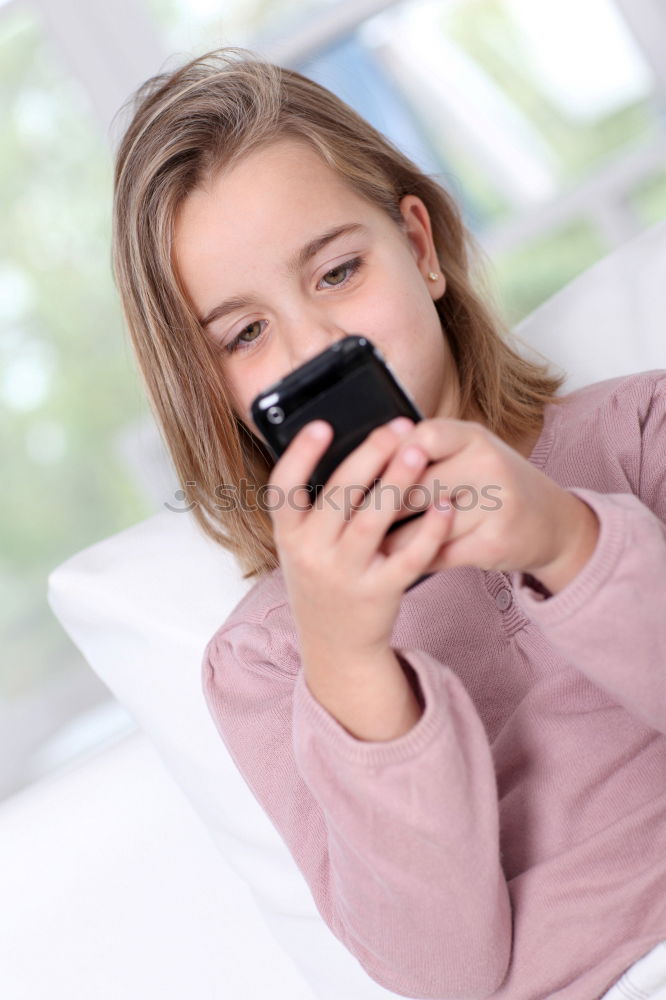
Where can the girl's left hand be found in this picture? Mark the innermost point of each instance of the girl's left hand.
(511, 516)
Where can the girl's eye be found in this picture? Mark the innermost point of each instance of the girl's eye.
(247, 336)
(342, 272)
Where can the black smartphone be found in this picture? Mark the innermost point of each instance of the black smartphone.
(351, 386)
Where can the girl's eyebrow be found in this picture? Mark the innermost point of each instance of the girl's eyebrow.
(295, 264)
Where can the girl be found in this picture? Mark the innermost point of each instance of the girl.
(471, 773)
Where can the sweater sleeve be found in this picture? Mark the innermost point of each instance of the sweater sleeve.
(398, 840)
(610, 621)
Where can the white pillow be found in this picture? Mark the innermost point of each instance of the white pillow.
(112, 889)
(142, 605)
(609, 321)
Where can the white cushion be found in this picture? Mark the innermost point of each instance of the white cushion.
(112, 889)
(142, 605)
(609, 321)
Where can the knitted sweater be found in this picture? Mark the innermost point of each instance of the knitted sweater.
(512, 844)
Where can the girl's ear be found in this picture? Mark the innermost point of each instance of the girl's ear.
(418, 230)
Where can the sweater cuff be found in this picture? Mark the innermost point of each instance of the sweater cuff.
(427, 675)
(545, 608)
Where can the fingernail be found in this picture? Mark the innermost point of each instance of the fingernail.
(413, 456)
(318, 429)
(401, 425)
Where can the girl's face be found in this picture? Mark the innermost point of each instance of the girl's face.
(281, 258)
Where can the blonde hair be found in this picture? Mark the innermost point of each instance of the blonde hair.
(186, 125)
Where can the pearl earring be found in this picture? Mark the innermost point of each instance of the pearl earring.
(433, 276)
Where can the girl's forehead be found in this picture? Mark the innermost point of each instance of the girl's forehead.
(289, 151)
(279, 191)
(291, 166)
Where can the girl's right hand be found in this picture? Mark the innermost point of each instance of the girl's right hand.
(344, 592)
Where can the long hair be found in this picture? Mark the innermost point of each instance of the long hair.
(188, 124)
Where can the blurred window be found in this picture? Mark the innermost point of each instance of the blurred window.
(193, 24)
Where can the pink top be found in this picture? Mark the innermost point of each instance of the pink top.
(512, 844)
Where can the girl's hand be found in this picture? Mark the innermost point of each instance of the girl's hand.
(511, 516)
(344, 591)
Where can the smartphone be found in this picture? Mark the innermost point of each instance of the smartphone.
(351, 386)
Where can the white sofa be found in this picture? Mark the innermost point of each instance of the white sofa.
(149, 870)
(112, 889)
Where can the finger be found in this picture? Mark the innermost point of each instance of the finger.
(462, 548)
(443, 437)
(369, 524)
(416, 557)
(416, 500)
(354, 475)
(457, 498)
(401, 536)
(443, 440)
(289, 498)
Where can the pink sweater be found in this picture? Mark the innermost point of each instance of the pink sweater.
(512, 844)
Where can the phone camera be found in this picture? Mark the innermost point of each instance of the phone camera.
(275, 414)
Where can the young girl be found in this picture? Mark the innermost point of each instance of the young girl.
(470, 772)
